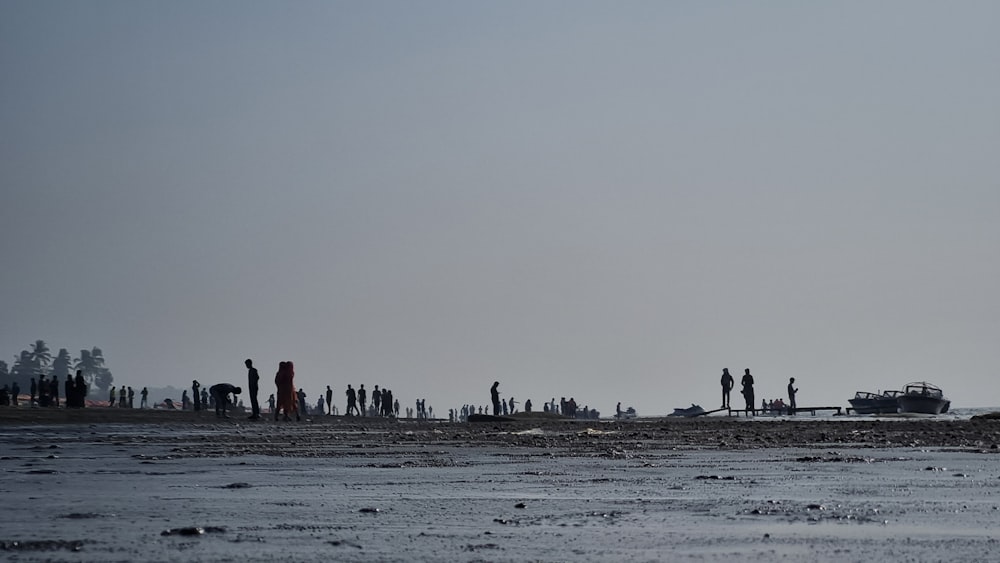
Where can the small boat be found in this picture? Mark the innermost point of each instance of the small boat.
(692, 411)
(922, 397)
(885, 402)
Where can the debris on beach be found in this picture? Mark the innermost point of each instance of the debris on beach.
(370, 510)
(237, 486)
(193, 531)
(41, 545)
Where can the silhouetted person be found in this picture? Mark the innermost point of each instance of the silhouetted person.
(195, 386)
(377, 401)
(54, 391)
(495, 396)
(253, 383)
(204, 398)
(220, 392)
(527, 405)
(111, 396)
(80, 389)
(68, 392)
(362, 400)
(270, 402)
(302, 401)
(131, 398)
(727, 385)
(34, 392)
(143, 398)
(791, 395)
(352, 400)
(121, 397)
(329, 400)
(15, 390)
(185, 401)
(747, 383)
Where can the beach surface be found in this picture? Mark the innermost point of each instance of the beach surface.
(145, 485)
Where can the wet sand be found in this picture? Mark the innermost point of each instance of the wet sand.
(120, 485)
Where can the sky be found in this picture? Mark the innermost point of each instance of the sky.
(610, 201)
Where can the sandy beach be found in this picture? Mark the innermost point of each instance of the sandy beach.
(144, 485)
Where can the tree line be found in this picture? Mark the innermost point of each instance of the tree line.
(38, 361)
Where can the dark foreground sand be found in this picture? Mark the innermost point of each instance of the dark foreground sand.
(120, 485)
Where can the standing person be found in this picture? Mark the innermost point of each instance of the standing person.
(80, 389)
(143, 398)
(285, 382)
(111, 396)
(185, 400)
(220, 392)
(54, 390)
(727, 385)
(195, 386)
(34, 393)
(15, 391)
(377, 401)
(253, 382)
(302, 401)
(121, 397)
(362, 400)
(70, 396)
(131, 398)
(792, 390)
(495, 396)
(270, 402)
(747, 383)
(329, 400)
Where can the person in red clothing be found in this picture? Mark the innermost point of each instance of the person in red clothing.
(285, 381)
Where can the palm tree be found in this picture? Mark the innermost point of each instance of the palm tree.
(24, 369)
(91, 363)
(85, 363)
(61, 364)
(41, 354)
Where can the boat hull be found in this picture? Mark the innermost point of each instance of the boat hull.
(874, 406)
(923, 405)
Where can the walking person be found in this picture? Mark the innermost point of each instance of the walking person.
(253, 383)
(329, 400)
(352, 400)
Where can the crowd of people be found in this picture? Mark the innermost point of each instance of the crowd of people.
(45, 392)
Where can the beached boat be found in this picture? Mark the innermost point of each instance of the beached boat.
(885, 402)
(693, 410)
(922, 397)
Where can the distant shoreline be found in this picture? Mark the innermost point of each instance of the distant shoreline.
(570, 436)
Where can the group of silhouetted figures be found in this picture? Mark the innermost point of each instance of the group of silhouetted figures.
(45, 392)
(382, 404)
(748, 394)
(126, 397)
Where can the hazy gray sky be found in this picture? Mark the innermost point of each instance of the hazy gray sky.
(605, 200)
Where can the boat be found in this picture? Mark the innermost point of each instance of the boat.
(692, 411)
(886, 402)
(922, 397)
